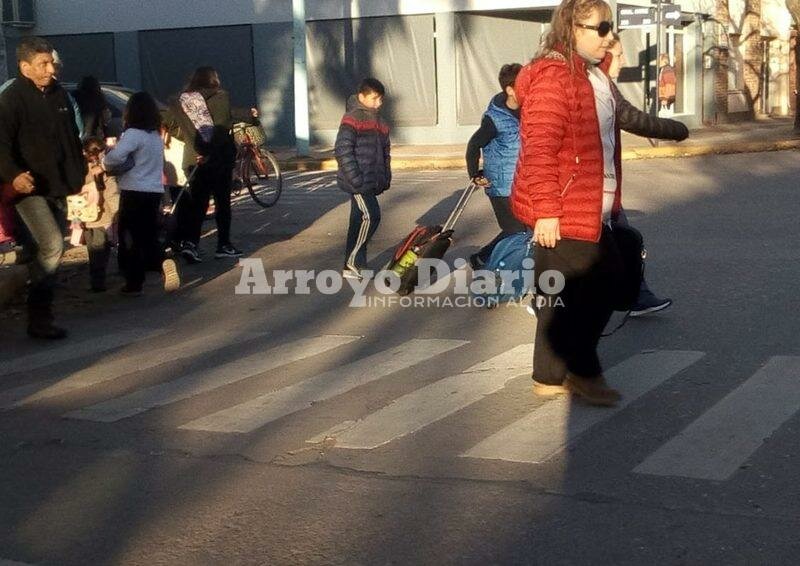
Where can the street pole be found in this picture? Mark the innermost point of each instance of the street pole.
(302, 130)
(657, 105)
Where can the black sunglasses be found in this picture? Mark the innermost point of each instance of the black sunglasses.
(603, 29)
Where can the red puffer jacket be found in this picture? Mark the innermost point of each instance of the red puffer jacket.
(560, 168)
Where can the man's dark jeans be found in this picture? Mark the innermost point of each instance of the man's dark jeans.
(45, 220)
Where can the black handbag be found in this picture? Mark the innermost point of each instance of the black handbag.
(630, 243)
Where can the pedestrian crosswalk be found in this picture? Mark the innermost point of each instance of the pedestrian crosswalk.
(208, 380)
(728, 433)
(724, 437)
(264, 409)
(545, 431)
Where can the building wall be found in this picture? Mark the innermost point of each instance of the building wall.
(439, 58)
(87, 16)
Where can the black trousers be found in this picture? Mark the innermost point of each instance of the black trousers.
(210, 179)
(365, 216)
(99, 249)
(507, 222)
(139, 247)
(570, 323)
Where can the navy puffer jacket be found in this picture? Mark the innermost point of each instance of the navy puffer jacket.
(362, 151)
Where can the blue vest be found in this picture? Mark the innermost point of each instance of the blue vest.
(500, 155)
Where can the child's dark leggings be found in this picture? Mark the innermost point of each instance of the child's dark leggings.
(99, 249)
(139, 248)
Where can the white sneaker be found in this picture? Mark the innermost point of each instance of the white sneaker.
(351, 273)
(172, 280)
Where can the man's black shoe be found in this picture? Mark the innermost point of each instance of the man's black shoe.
(46, 331)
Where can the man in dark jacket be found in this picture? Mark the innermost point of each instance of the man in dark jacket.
(362, 154)
(41, 156)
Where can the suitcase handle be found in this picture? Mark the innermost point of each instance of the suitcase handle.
(459, 208)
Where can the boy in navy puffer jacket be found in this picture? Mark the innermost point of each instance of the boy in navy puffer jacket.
(498, 139)
(362, 154)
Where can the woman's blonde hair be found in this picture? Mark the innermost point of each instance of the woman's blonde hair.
(562, 25)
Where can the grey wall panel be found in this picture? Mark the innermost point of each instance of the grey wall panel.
(484, 43)
(168, 58)
(399, 51)
(129, 69)
(274, 74)
(91, 54)
(11, 56)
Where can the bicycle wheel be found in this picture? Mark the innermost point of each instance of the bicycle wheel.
(264, 179)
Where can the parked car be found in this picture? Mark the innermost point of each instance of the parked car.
(117, 98)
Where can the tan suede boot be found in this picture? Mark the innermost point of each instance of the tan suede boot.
(594, 390)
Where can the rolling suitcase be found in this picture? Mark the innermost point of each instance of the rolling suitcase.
(426, 242)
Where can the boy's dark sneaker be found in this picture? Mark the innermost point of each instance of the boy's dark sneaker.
(172, 280)
(130, 291)
(648, 303)
(227, 250)
(46, 331)
(190, 253)
(476, 262)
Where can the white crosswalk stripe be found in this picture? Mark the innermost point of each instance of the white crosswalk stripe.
(112, 369)
(208, 380)
(264, 409)
(557, 423)
(715, 445)
(432, 403)
(76, 350)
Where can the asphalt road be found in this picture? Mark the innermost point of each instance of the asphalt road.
(212, 427)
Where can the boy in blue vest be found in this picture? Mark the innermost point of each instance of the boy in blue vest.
(498, 139)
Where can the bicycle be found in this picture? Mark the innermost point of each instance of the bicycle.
(256, 167)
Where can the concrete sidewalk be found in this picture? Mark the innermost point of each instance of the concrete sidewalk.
(769, 134)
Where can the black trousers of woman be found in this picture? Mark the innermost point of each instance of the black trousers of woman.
(139, 246)
(569, 330)
(210, 179)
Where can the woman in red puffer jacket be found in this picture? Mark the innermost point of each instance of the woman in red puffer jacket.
(567, 187)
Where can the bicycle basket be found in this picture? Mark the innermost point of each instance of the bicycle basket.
(255, 133)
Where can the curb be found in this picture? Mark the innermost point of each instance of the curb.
(672, 151)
